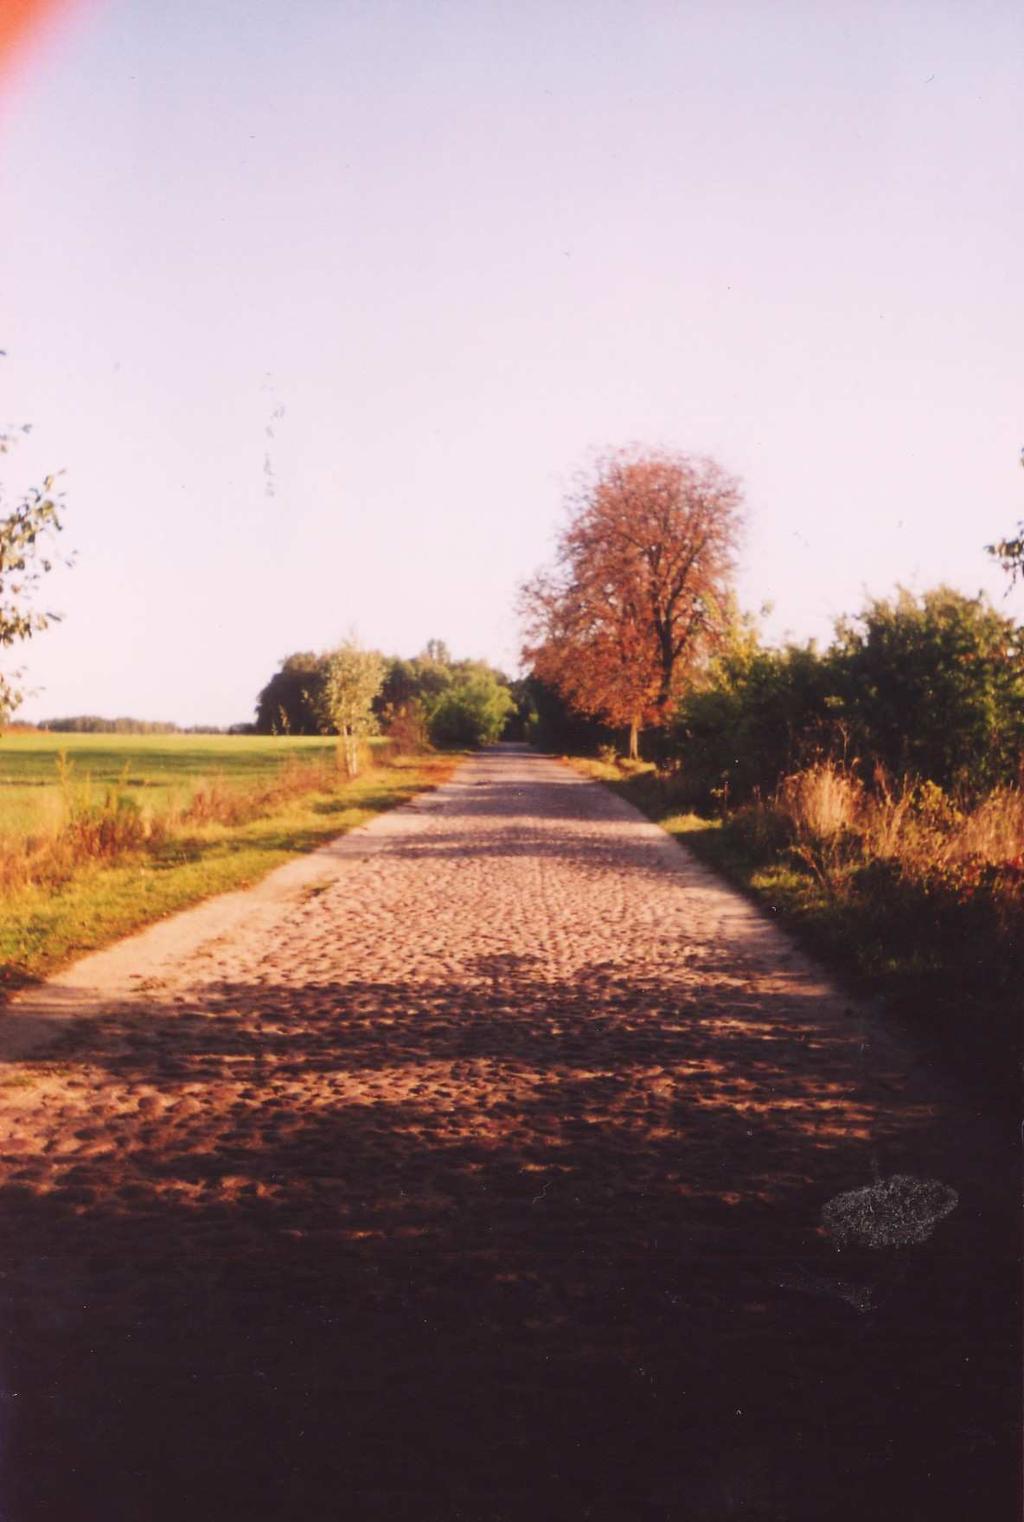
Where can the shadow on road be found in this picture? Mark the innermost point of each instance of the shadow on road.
(503, 1250)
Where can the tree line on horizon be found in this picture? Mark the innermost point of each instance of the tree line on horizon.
(95, 724)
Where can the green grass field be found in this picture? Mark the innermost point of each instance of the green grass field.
(158, 771)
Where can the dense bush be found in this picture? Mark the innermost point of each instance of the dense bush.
(930, 687)
(934, 686)
(419, 681)
(472, 709)
(292, 702)
(759, 714)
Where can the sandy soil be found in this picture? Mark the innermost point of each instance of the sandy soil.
(473, 1168)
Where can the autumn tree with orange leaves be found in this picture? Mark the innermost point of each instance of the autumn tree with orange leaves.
(639, 592)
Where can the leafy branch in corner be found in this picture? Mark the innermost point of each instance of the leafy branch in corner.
(26, 534)
(1010, 552)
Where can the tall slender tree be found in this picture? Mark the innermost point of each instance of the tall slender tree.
(640, 587)
(354, 677)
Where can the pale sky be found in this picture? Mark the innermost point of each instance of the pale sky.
(462, 245)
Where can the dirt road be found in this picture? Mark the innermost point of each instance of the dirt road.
(473, 1169)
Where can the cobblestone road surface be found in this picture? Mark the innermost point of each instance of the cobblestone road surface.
(473, 1168)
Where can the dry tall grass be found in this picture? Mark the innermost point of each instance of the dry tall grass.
(993, 831)
(214, 802)
(821, 806)
(831, 816)
(407, 730)
(930, 884)
(821, 803)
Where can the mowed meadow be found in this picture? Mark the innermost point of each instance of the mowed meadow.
(103, 833)
(42, 773)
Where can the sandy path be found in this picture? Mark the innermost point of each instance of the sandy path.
(472, 1168)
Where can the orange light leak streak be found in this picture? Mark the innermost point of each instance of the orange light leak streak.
(22, 24)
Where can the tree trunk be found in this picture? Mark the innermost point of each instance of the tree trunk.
(634, 740)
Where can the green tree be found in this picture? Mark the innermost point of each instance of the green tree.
(353, 679)
(934, 685)
(25, 532)
(290, 703)
(756, 713)
(418, 681)
(473, 709)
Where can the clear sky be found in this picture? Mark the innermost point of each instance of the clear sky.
(443, 250)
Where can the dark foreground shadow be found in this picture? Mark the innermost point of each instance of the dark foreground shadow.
(489, 1252)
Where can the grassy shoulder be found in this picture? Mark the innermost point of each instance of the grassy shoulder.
(937, 951)
(45, 925)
